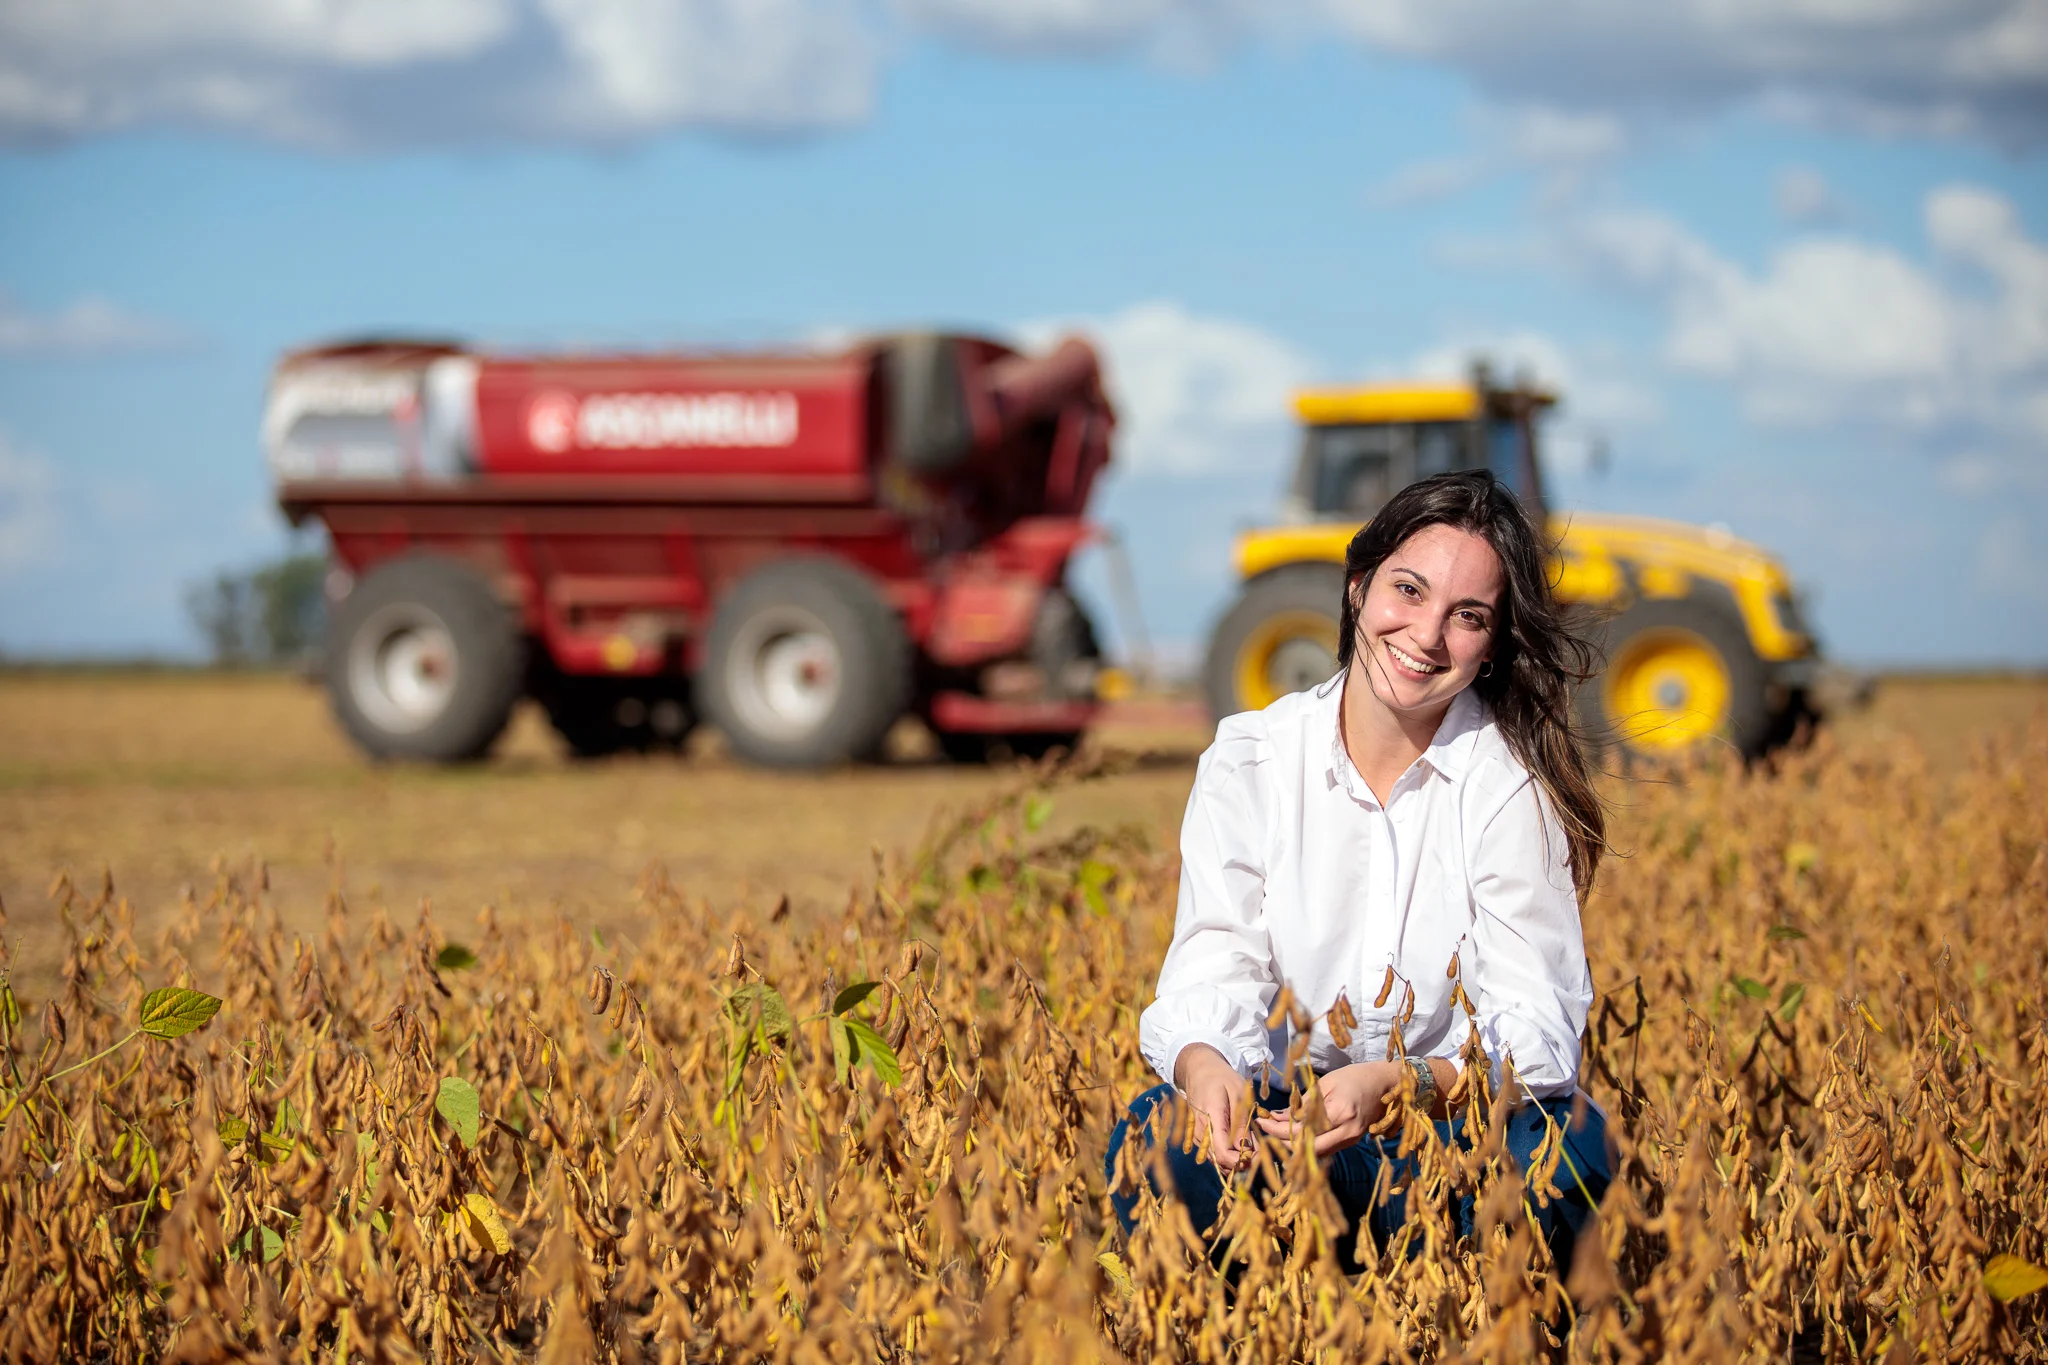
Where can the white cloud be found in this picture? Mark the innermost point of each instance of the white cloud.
(88, 326)
(1177, 27)
(382, 72)
(1948, 66)
(1194, 395)
(390, 72)
(1839, 330)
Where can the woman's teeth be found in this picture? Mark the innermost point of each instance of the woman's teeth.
(1410, 662)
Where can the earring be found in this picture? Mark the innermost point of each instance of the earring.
(1486, 669)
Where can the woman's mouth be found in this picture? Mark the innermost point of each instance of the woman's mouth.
(1410, 664)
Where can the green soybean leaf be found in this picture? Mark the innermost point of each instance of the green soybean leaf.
(853, 995)
(174, 1011)
(1783, 933)
(1037, 810)
(232, 1131)
(774, 1011)
(736, 1061)
(844, 1049)
(454, 958)
(874, 1050)
(462, 1108)
(1751, 987)
(1094, 876)
(1788, 1003)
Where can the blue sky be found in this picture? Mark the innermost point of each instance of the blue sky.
(1792, 284)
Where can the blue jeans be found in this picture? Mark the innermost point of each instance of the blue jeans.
(1354, 1172)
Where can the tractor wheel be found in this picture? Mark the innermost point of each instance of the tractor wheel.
(423, 661)
(805, 666)
(1679, 674)
(1280, 636)
(601, 716)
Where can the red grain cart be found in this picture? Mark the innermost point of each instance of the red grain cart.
(798, 548)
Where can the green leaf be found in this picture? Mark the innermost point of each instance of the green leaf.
(774, 1011)
(454, 958)
(736, 1061)
(1788, 1002)
(1784, 933)
(844, 1049)
(232, 1131)
(174, 1011)
(874, 1050)
(1751, 987)
(2009, 1277)
(853, 995)
(272, 1244)
(461, 1107)
(1037, 810)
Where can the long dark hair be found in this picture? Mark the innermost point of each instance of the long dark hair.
(1537, 655)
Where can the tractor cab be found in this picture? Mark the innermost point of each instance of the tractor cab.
(1362, 445)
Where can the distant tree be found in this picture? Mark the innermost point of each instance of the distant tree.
(272, 614)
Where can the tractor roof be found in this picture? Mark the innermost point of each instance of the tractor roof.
(1369, 403)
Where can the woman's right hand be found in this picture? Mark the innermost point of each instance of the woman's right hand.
(1220, 1097)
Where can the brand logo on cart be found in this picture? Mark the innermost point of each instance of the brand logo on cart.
(557, 422)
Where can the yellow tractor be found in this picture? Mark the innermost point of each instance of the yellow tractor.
(1702, 632)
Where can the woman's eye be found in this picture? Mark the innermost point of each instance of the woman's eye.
(1408, 590)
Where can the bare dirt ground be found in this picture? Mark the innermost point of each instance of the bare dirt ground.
(158, 779)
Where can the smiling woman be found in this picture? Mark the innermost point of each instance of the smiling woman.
(1400, 851)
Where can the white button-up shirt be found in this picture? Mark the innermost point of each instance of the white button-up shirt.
(1293, 873)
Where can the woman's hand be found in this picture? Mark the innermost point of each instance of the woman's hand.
(1354, 1099)
(1220, 1098)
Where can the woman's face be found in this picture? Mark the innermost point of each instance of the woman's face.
(1427, 617)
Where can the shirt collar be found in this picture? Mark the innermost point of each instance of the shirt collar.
(1449, 749)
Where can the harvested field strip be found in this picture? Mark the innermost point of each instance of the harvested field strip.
(1821, 1036)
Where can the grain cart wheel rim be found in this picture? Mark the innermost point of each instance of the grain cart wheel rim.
(785, 674)
(806, 665)
(1667, 689)
(1286, 653)
(402, 667)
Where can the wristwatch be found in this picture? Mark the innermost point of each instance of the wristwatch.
(1425, 1083)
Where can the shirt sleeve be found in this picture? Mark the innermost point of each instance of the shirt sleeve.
(1529, 982)
(1218, 981)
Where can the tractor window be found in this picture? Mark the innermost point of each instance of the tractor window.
(1507, 457)
(1352, 469)
(1438, 448)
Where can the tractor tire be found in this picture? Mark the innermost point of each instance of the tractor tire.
(1280, 636)
(424, 662)
(930, 431)
(1680, 674)
(805, 666)
(598, 717)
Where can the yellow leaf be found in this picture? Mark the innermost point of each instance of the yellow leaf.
(1113, 1266)
(486, 1222)
(2008, 1277)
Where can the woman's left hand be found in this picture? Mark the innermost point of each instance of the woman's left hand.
(1354, 1097)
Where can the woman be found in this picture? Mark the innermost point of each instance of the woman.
(1427, 803)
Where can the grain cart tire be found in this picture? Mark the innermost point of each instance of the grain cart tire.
(1679, 674)
(930, 431)
(805, 666)
(423, 661)
(1280, 636)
